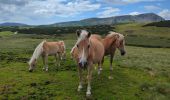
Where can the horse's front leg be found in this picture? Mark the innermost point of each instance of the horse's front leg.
(43, 59)
(111, 67)
(46, 62)
(80, 79)
(90, 70)
(58, 59)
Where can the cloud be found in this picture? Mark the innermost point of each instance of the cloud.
(14, 2)
(120, 2)
(165, 14)
(134, 13)
(152, 7)
(108, 12)
(53, 7)
(41, 9)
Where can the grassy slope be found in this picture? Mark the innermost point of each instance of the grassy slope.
(145, 36)
(142, 74)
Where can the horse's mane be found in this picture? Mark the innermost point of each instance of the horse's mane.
(37, 52)
(112, 34)
(82, 36)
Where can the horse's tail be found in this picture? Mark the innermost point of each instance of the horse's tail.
(38, 51)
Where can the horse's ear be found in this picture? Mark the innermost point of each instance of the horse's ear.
(89, 34)
(78, 32)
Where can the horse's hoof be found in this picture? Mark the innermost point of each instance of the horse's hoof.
(88, 93)
(111, 69)
(110, 77)
(79, 88)
(101, 69)
(99, 72)
(30, 70)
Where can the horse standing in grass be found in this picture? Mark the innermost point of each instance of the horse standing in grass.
(112, 41)
(88, 51)
(45, 49)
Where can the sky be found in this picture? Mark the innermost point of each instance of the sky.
(38, 12)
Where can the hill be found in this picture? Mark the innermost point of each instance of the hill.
(13, 24)
(141, 18)
(165, 23)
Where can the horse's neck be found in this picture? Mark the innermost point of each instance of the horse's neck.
(107, 42)
(37, 52)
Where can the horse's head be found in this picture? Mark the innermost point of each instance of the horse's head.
(120, 44)
(63, 50)
(83, 45)
(31, 64)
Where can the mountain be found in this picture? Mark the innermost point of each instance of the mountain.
(141, 18)
(13, 24)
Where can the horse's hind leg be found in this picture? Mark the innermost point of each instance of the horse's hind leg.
(99, 68)
(102, 63)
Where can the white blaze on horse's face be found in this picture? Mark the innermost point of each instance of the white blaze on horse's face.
(83, 46)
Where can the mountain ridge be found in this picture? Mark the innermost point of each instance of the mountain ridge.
(141, 18)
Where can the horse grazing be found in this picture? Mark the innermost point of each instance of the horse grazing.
(45, 49)
(87, 51)
(112, 41)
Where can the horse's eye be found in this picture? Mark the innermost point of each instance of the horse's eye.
(77, 46)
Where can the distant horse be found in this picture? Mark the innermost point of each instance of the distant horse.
(87, 51)
(45, 49)
(112, 41)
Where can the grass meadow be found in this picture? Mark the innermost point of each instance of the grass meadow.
(143, 73)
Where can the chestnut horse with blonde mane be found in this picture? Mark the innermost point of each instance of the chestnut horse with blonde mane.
(45, 49)
(87, 51)
(112, 41)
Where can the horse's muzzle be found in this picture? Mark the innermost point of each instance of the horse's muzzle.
(123, 53)
(83, 64)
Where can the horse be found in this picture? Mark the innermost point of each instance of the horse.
(45, 49)
(86, 52)
(111, 42)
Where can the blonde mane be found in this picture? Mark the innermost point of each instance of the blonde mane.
(37, 52)
(82, 36)
(111, 34)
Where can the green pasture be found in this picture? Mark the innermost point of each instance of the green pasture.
(142, 74)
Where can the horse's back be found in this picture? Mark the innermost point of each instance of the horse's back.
(51, 47)
(96, 36)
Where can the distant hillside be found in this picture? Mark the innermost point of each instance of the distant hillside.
(13, 24)
(165, 23)
(141, 18)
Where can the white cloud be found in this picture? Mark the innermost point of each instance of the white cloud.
(120, 2)
(165, 14)
(134, 13)
(152, 7)
(108, 12)
(39, 9)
